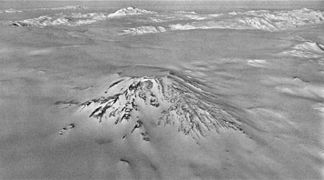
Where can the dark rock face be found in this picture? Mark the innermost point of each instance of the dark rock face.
(167, 99)
(66, 128)
(19, 24)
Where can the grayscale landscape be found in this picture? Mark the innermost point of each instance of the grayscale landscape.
(94, 90)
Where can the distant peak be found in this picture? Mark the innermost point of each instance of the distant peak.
(129, 11)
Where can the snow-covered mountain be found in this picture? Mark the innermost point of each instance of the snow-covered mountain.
(164, 99)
